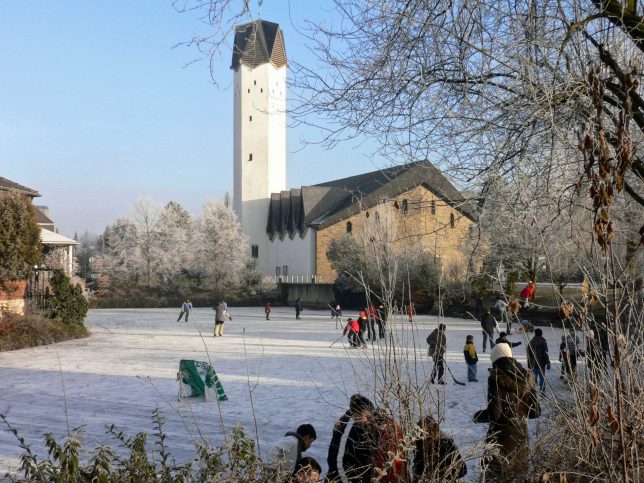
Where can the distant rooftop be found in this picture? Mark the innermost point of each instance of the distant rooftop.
(8, 185)
(257, 43)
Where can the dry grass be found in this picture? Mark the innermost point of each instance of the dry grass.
(19, 332)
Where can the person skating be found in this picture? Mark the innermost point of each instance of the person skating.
(298, 308)
(267, 310)
(471, 358)
(488, 324)
(372, 315)
(437, 346)
(353, 444)
(527, 294)
(285, 455)
(220, 318)
(436, 458)
(573, 347)
(501, 307)
(362, 322)
(382, 321)
(351, 330)
(411, 311)
(563, 358)
(503, 339)
(511, 400)
(186, 308)
(538, 358)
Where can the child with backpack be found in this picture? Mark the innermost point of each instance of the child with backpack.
(471, 358)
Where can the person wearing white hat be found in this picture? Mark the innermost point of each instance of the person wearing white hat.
(512, 399)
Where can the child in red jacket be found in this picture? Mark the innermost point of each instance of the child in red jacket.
(351, 331)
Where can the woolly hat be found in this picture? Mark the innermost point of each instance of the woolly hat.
(500, 351)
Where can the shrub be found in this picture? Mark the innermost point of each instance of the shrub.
(18, 332)
(67, 303)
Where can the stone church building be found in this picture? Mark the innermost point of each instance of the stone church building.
(289, 230)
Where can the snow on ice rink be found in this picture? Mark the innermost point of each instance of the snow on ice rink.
(128, 367)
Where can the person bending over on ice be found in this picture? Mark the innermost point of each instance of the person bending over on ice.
(353, 444)
(437, 346)
(511, 400)
(351, 330)
(285, 455)
(437, 458)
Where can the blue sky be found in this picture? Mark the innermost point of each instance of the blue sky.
(97, 108)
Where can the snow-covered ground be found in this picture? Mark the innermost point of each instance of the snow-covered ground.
(128, 367)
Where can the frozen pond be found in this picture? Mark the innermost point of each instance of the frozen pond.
(128, 367)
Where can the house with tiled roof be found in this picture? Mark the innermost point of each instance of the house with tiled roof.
(289, 230)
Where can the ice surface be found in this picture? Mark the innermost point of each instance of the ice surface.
(128, 367)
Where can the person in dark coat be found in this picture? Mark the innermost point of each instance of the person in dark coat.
(511, 400)
(573, 347)
(382, 321)
(298, 307)
(437, 347)
(436, 458)
(538, 358)
(488, 324)
(503, 339)
(352, 450)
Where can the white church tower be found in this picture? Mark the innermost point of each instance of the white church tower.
(259, 66)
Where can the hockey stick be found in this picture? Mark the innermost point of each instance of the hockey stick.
(336, 340)
(456, 381)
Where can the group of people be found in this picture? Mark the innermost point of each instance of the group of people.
(366, 441)
(366, 444)
(367, 321)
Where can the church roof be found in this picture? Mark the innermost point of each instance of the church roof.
(257, 43)
(325, 204)
(8, 185)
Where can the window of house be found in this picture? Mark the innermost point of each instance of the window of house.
(254, 251)
(405, 207)
(250, 157)
(261, 90)
(249, 91)
(278, 271)
(285, 270)
(250, 118)
(451, 220)
(433, 207)
(254, 82)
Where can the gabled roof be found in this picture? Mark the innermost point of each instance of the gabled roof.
(43, 219)
(371, 188)
(327, 203)
(257, 43)
(8, 185)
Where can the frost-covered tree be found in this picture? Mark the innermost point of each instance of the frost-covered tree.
(145, 216)
(174, 241)
(119, 242)
(218, 246)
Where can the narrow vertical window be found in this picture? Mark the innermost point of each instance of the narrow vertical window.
(250, 118)
(377, 217)
(254, 82)
(278, 271)
(261, 90)
(405, 207)
(254, 251)
(285, 270)
(250, 157)
(433, 207)
(349, 227)
(451, 220)
(249, 91)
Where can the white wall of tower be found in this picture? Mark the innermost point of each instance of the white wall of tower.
(259, 150)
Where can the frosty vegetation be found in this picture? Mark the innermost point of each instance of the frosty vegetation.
(166, 251)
